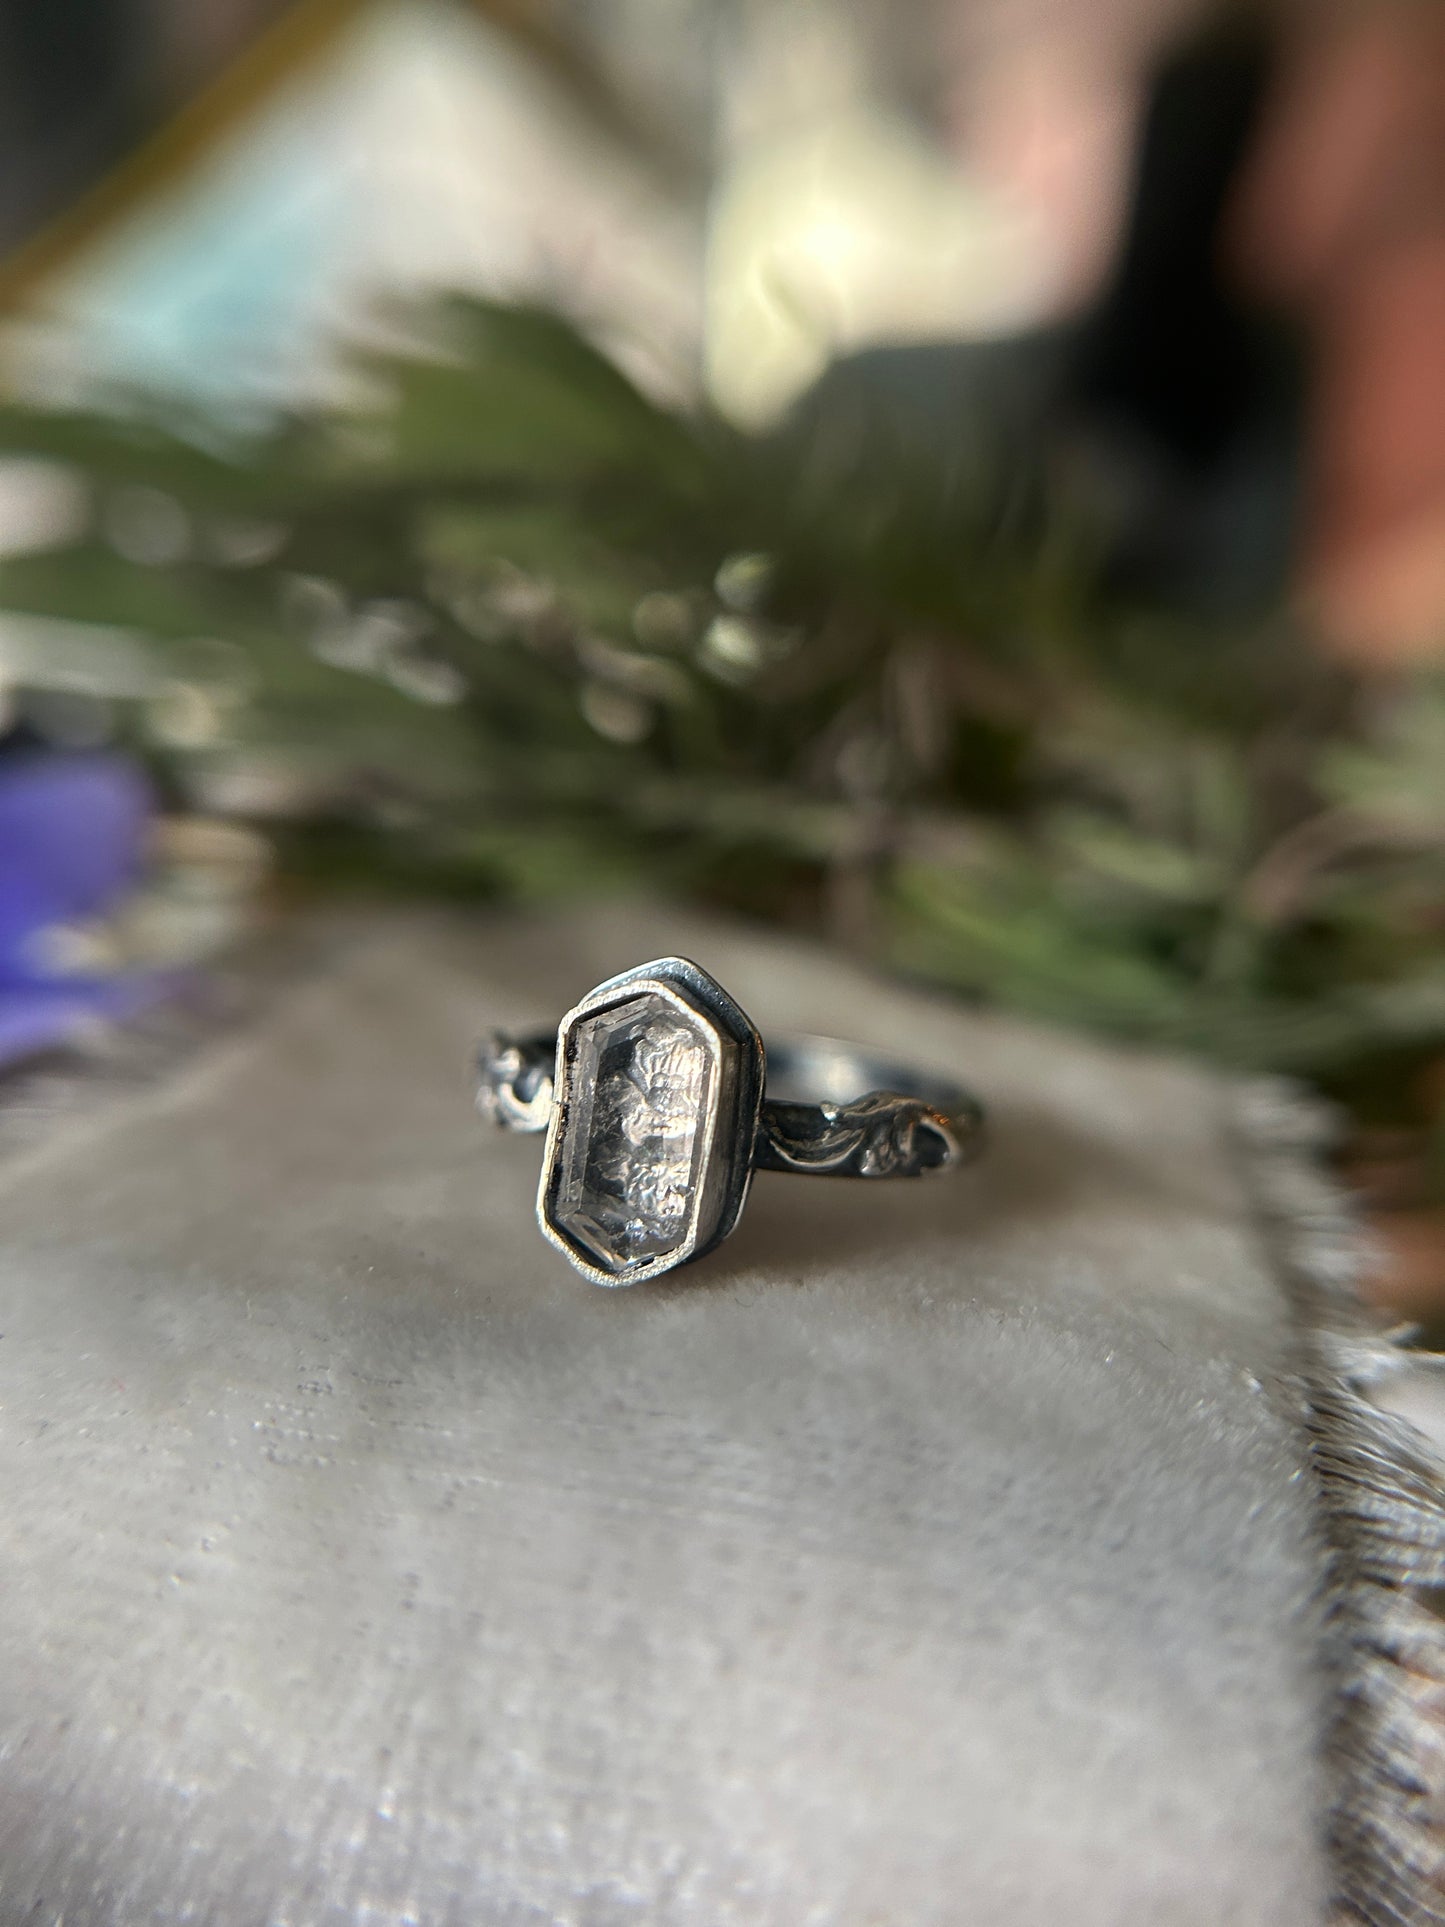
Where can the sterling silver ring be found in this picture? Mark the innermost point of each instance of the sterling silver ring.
(659, 1101)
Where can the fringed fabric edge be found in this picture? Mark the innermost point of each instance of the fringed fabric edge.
(1382, 1515)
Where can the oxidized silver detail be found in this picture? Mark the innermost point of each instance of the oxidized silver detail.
(514, 1081)
(882, 1135)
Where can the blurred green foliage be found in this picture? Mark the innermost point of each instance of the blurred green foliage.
(516, 629)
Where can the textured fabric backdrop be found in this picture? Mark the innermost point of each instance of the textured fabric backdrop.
(935, 1553)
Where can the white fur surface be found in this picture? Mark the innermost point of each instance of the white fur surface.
(935, 1553)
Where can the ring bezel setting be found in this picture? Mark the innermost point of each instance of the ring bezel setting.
(656, 1098)
(651, 1096)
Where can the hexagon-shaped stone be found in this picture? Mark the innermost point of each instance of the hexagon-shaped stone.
(626, 1165)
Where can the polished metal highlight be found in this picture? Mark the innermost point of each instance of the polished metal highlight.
(651, 1093)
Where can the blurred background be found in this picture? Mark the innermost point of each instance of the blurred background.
(963, 477)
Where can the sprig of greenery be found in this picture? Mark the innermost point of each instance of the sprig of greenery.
(524, 630)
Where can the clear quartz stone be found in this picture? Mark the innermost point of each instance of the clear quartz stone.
(632, 1141)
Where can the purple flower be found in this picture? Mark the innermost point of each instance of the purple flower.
(72, 842)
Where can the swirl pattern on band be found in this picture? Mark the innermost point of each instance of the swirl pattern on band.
(514, 1081)
(881, 1135)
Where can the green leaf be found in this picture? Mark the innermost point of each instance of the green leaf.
(1139, 863)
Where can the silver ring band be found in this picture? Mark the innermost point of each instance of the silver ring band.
(854, 1134)
(651, 1093)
